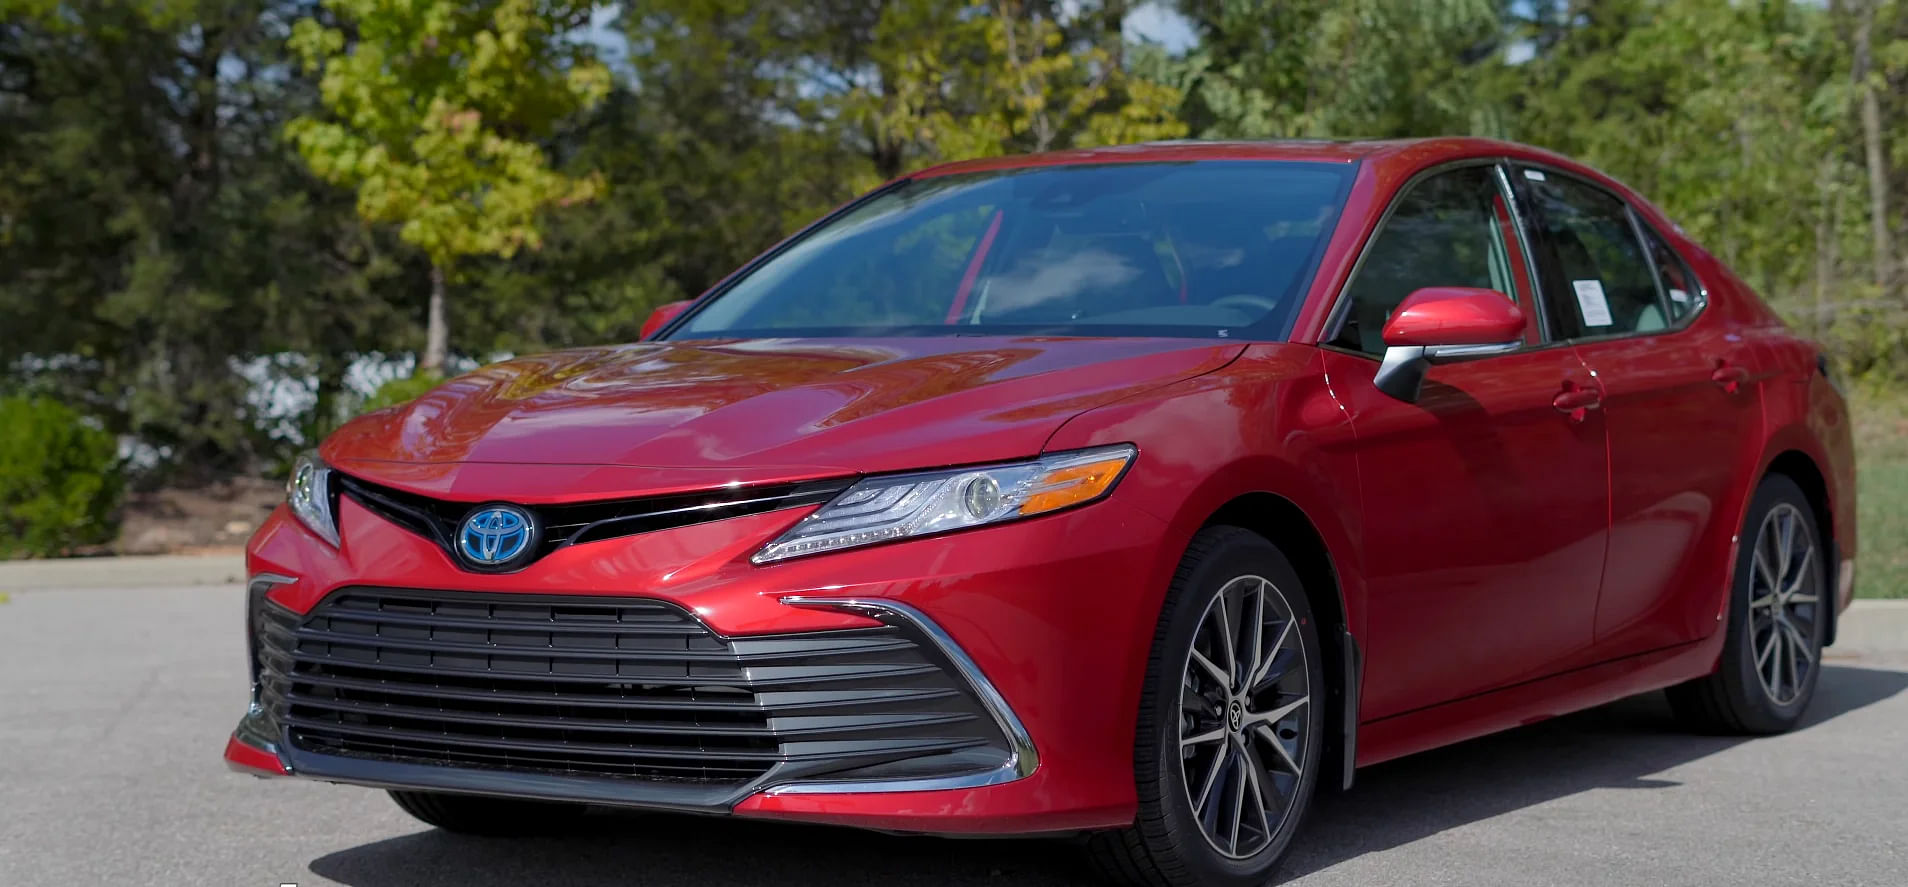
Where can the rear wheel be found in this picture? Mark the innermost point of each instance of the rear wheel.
(1772, 655)
(482, 815)
(1229, 742)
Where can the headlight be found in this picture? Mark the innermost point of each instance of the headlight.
(879, 509)
(308, 490)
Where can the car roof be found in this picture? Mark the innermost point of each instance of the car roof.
(1386, 160)
(1384, 152)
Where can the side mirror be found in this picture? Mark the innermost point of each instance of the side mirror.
(1445, 324)
(661, 317)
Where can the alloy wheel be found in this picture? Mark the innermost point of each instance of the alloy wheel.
(1245, 696)
(1784, 603)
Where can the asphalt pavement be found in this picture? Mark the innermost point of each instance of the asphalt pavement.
(115, 704)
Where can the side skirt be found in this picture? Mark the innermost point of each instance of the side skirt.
(1533, 701)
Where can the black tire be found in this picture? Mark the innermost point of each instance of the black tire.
(483, 815)
(1739, 697)
(1166, 846)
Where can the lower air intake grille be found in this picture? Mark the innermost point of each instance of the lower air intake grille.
(611, 687)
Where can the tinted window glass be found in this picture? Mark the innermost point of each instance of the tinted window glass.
(1205, 249)
(1604, 283)
(1680, 286)
(1443, 232)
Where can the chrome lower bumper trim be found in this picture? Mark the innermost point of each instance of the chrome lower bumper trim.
(1024, 758)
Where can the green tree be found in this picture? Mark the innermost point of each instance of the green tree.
(1065, 83)
(434, 109)
(1859, 25)
(1343, 68)
(157, 236)
(1740, 121)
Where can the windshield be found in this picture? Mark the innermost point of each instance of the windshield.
(1209, 249)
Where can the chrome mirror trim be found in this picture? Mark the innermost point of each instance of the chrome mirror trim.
(1401, 373)
(1438, 354)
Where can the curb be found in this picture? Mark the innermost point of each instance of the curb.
(1873, 626)
(154, 571)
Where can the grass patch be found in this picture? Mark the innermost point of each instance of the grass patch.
(1881, 495)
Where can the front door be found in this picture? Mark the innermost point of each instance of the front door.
(1485, 512)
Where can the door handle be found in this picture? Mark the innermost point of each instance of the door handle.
(1729, 376)
(1576, 401)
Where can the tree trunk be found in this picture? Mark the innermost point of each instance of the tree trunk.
(1113, 31)
(436, 328)
(1827, 221)
(1872, 146)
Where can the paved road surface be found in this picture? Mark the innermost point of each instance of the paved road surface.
(114, 705)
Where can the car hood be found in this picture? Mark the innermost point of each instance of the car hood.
(662, 417)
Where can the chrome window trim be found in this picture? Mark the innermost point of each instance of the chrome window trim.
(1025, 758)
(1341, 305)
(1520, 226)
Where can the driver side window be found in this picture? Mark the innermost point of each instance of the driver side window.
(1446, 231)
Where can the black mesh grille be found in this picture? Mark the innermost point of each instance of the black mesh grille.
(613, 687)
(437, 519)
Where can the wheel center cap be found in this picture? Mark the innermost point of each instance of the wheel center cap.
(1235, 714)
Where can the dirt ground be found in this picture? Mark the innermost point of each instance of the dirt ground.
(209, 519)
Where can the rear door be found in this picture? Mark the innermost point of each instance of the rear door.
(1679, 402)
(1485, 506)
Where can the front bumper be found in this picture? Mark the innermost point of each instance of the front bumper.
(1044, 623)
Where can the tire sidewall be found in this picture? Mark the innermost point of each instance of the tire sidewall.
(1240, 553)
(1756, 710)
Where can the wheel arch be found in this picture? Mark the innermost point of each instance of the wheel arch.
(1283, 523)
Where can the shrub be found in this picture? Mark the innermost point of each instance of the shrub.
(60, 479)
(401, 390)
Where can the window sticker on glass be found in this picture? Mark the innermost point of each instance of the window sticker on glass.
(1591, 302)
(1534, 175)
(1677, 295)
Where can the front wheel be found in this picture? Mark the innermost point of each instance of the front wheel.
(1772, 655)
(1229, 741)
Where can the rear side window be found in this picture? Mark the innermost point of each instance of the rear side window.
(1600, 281)
(1680, 287)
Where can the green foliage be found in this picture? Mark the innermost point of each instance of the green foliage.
(1881, 453)
(60, 482)
(403, 389)
(198, 196)
(154, 230)
(1342, 68)
(1709, 108)
(431, 108)
(1739, 119)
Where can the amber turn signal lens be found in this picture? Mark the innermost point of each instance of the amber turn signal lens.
(1072, 485)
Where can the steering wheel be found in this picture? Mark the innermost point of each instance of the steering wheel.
(1246, 302)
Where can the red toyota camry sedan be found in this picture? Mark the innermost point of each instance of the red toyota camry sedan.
(1130, 493)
